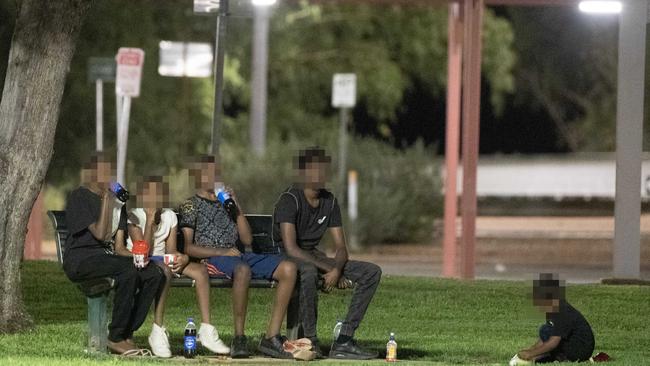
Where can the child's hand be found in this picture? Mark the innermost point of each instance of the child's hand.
(525, 355)
(179, 264)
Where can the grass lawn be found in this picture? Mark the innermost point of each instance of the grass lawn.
(436, 321)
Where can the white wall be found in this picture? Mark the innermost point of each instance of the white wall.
(548, 176)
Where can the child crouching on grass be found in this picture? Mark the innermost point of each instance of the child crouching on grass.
(566, 335)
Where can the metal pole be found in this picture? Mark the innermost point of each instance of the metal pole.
(123, 140)
(219, 46)
(452, 143)
(629, 132)
(118, 126)
(471, 121)
(353, 212)
(259, 79)
(343, 149)
(99, 115)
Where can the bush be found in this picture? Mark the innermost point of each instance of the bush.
(399, 190)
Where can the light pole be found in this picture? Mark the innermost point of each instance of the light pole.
(629, 129)
(259, 76)
(221, 8)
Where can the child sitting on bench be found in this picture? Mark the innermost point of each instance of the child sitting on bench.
(97, 224)
(158, 226)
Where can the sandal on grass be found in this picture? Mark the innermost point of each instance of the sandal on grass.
(300, 349)
(137, 352)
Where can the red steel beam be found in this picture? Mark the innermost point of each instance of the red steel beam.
(452, 143)
(471, 117)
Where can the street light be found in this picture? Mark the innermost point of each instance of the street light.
(600, 6)
(221, 8)
(629, 127)
(260, 55)
(259, 75)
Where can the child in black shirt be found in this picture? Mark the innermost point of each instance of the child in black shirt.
(566, 335)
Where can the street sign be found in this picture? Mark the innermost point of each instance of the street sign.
(191, 59)
(206, 6)
(129, 71)
(344, 90)
(101, 68)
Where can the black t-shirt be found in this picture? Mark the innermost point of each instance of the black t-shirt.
(210, 221)
(311, 222)
(577, 338)
(82, 210)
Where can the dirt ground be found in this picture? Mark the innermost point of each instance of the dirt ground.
(579, 248)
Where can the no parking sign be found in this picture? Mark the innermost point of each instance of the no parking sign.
(129, 71)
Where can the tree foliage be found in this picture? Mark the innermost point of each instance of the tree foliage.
(390, 48)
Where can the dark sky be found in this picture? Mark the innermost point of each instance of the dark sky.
(521, 128)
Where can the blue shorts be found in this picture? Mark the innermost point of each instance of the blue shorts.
(262, 265)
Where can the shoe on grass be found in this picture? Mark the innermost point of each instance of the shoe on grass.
(159, 341)
(239, 347)
(209, 338)
(274, 347)
(350, 351)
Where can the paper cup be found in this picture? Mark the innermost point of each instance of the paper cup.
(169, 259)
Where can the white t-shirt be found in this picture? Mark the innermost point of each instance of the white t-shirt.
(168, 220)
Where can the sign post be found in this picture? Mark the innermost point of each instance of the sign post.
(344, 97)
(353, 213)
(127, 85)
(100, 70)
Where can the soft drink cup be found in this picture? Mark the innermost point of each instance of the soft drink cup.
(169, 260)
(140, 253)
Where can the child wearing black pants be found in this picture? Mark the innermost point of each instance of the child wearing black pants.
(96, 248)
(566, 335)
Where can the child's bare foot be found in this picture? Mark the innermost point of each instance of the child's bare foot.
(120, 347)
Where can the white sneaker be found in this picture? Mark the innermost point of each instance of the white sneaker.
(209, 338)
(159, 342)
(516, 361)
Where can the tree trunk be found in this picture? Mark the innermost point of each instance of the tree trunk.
(42, 47)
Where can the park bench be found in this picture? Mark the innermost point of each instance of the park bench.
(97, 290)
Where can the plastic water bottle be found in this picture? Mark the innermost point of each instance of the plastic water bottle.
(337, 329)
(226, 201)
(120, 192)
(189, 341)
(391, 349)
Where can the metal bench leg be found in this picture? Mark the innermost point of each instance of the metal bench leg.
(294, 326)
(97, 323)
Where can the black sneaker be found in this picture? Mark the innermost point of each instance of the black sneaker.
(315, 347)
(350, 351)
(239, 348)
(273, 347)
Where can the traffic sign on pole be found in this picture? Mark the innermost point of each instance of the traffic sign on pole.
(127, 85)
(344, 90)
(101, 68)
(129, 71)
